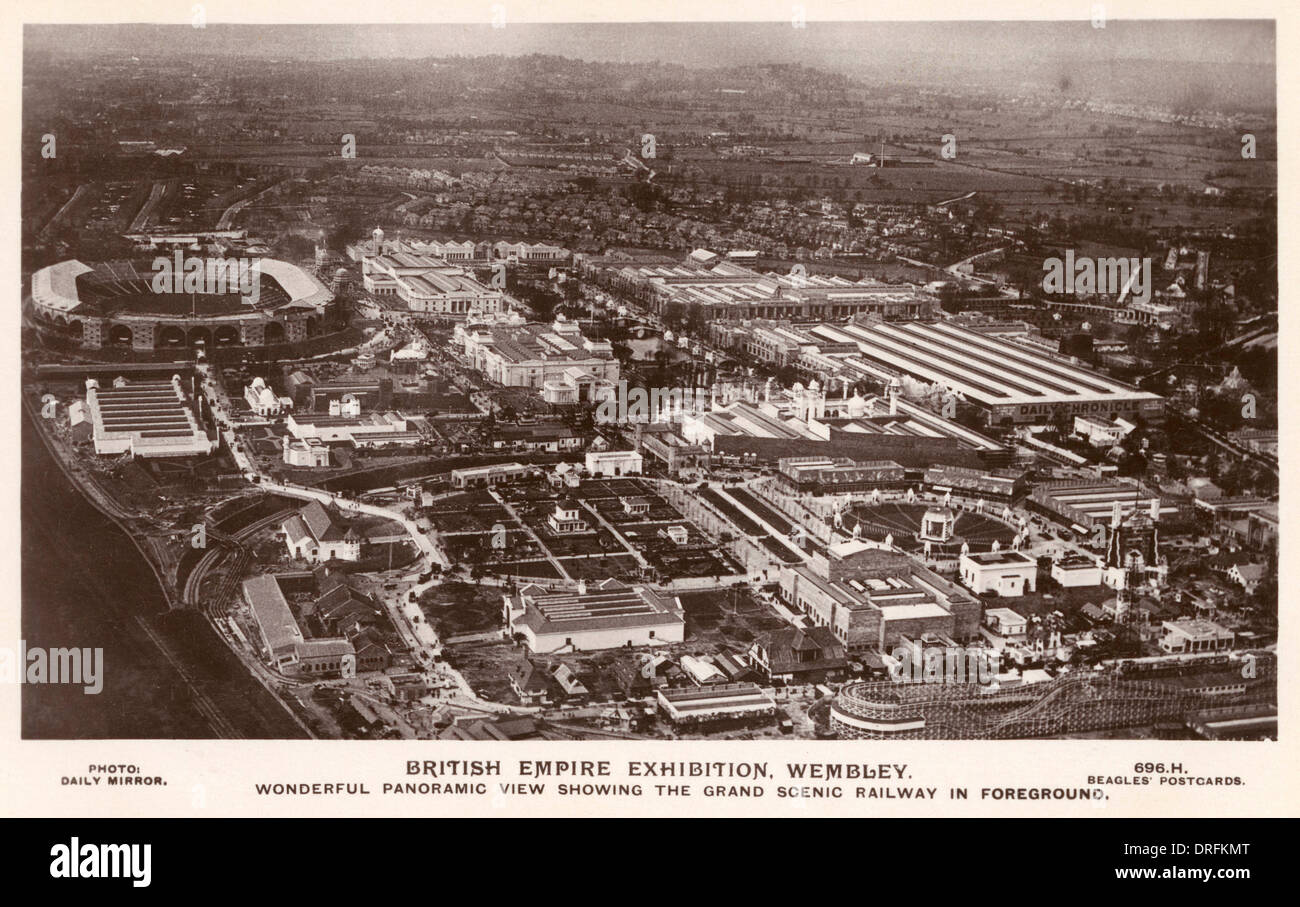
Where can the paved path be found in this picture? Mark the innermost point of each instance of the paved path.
(555, 562)
(618, 536)
(408, 619)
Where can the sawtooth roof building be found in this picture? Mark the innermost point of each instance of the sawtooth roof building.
(732, 292)
(1009, 381)
(1083, 505)
(611, 616)
(146, 419)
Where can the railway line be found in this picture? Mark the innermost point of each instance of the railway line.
(189, 593)
(223, 727)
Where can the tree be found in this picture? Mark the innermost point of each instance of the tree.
(697, 321)
(345, 233)
(673, 315)
(297, 247)
(542, 301)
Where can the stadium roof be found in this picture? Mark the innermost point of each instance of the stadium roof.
(300, 285)
(72, 285)
(56, 286)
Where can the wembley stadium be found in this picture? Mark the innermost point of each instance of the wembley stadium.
(114, 305)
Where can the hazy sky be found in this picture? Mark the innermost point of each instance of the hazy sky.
(702, 44)
(1193, 63)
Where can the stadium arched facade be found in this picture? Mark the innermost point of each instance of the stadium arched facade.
(114, 305)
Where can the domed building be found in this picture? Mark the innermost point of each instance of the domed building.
(342, 281)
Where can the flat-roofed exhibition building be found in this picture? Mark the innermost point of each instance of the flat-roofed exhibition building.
(612, 615)
(1084, 505)
(729, 291)
(146, 419)
(534, 355)
(1008, 573)
(871, 598)
(1009, 381)
(114, 305)
(716, 702)
(429, 285)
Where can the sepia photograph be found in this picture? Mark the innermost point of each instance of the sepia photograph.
(698, 381)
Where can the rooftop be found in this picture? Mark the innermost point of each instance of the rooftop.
(980, 367)
(612, 606)
(1196, 627)
(531, 342)
(272, 612)
(1077, 562)
(1000, 558)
